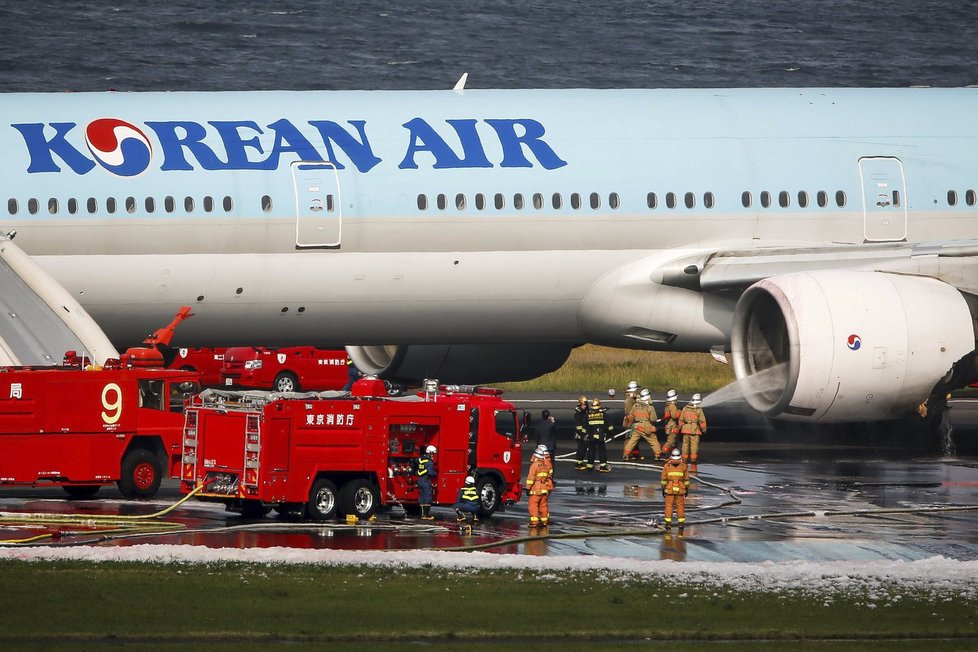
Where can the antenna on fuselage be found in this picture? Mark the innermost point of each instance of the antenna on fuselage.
(460, 84)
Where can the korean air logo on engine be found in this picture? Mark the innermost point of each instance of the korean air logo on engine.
(854, 342)
(119, 147)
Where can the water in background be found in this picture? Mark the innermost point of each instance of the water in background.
(48, 45)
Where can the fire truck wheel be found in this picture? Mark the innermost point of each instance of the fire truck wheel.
(142, 472)
(488, 495)
(286, 382)
(82, 490)
(322, 501)
(359, 498)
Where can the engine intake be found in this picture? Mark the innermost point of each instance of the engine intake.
(846, 346)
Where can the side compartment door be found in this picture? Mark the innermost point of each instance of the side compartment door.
(884, 199)
(318, 204)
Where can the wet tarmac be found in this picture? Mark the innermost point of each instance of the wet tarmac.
(762, 493)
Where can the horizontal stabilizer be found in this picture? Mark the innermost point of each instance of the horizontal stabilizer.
(39, 319)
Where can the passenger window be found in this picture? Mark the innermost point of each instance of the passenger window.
(784, 199)
(72, 206)
(745, 199)
(150, 205)
(969, 198)
(802, 199)
(422, 202)
(557, 201)
(169, 204)
(765, 199)
(92, 205)
(614, 201)
(188, 204)
(442, 202)
(130, 204)
(690, 200)
(499, 201)
(110, 204)
(518, 201)
(266, 204)
(670, 200)
(896, 198)
(229, 203)
(952, 198)
(595, 200)
(822, 199)
(12, 206)
(537, 201)
(652, 200)
(709, 201)
(575, 201)
(460, 202)
(33, 206)
(208, 204)
(840, 198)
(53, 206)
(480, 201)
(330, 204)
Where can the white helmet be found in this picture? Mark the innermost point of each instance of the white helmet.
(696, 400)
(671, 395)
(675, 454)
(632, 385)
(431, 449)
(541, 450)
(469, 480)
(645, 395)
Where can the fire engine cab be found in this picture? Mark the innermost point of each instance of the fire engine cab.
(319, 456)
(84, 427)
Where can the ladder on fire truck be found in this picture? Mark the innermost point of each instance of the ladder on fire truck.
(39, 319)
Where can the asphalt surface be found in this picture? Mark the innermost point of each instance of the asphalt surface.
(763, 492)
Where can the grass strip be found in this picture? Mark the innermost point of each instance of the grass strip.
(78, 604)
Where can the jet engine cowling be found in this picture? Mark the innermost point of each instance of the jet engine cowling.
(470, 364)
(835, 346)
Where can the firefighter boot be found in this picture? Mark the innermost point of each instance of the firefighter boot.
(426, 513)
(604, 468)
(681, 526)
(467, 529)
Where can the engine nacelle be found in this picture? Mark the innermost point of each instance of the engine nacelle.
(837, 346)
(460, 363)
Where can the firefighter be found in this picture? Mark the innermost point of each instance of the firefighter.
(631, 395)
(467, 504)
(539, 484)
(641, 420)
(675, 486)
(352, 374)
(597, 429)
(427, 474)
(692, 424)
(671, 416)
(580, 433)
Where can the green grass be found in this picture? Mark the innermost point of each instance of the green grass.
(72, 605)
(593, 368)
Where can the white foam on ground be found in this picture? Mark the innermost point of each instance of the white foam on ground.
(877, 581)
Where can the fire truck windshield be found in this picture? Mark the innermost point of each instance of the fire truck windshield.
(180, 392)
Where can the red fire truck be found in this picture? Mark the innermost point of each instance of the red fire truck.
(292, 369)
(85, 428)
(207, 361)
(352, 454)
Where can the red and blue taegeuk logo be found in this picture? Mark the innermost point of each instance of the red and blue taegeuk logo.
(854, 342)
(120, 147)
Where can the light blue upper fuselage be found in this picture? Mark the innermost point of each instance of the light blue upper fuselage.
(400, 151)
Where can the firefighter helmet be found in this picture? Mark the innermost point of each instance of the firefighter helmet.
(469, 480)
(632, 385)
(645, 395)
(541, 450)
(595, 403)
(431, 449)
(581, 400)
(675, 454)
(696, 400)
(671, 395)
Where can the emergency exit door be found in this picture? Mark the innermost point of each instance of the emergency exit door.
(319, 207)
(884, 199)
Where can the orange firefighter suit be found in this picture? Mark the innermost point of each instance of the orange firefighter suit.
(539, 484)
(675, 486)
(641, 419)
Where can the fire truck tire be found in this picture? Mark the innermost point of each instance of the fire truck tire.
(323, 501)
(359, 498)
(142, 472)
(286, 381)
(81, 490)
(489, 495)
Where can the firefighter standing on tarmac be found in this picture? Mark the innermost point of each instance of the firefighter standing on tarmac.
(427, 473)
(580, 433)
(675, 486)
(641, 419)
(692, 424)
(597, 428)
(631, 395)
(670, 415)
(467, 504)
(539, 484)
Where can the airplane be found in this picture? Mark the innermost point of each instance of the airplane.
(824, 238)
